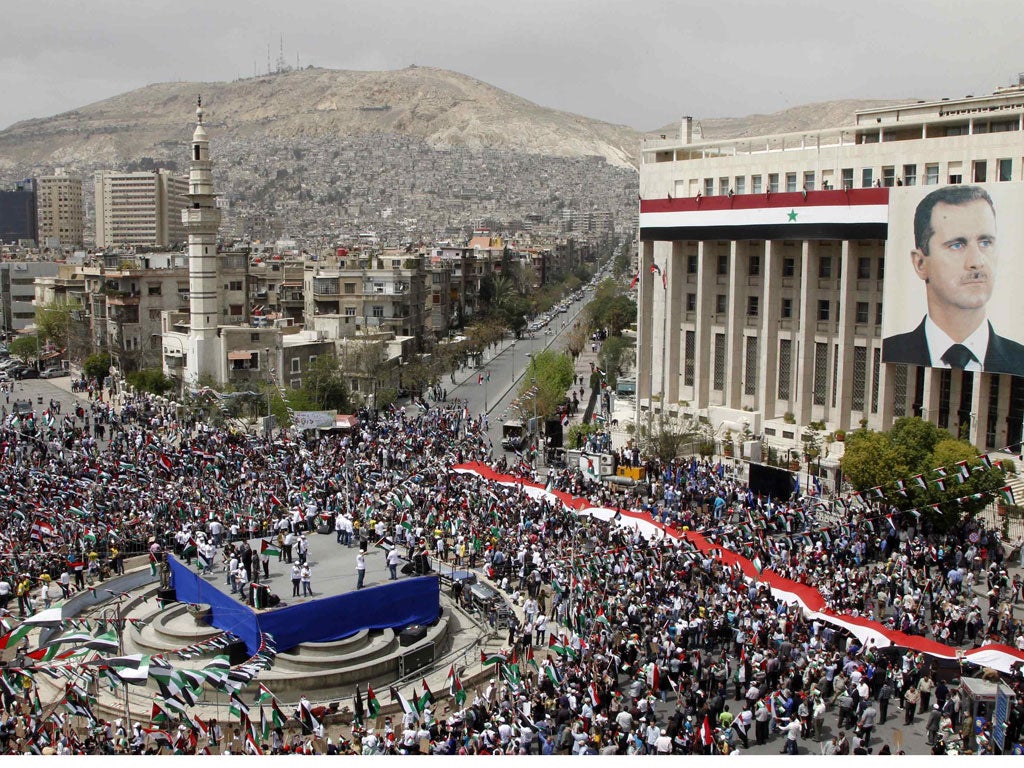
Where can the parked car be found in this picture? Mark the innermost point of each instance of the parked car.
(28, 373)
(52, 373)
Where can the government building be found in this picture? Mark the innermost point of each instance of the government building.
(772, 268)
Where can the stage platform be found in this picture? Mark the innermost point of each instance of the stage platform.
(336, 609)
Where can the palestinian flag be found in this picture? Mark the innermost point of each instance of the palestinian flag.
(250, 744)
(456, 689)
(407, 708)
(263, 695)
(530, 660)
(159, 715)
(276, 715)
(855, 214)
(152, 564)
(372, 705)
(1006, 494)
(309, 722)
(552, 674)
(237, 707)
(15, 636)
(269, 550)
(555, 645)
(264, 724)
(274, 501)
(426, 698)
(487, 659)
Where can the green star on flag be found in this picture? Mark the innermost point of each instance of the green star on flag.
(792, 215)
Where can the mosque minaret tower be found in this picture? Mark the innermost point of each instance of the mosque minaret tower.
(202, 221)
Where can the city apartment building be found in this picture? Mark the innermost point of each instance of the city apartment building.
(140, 209)
(18, 213)
(773, 267)
(59, 203)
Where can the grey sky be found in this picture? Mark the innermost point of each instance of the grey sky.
(642, 64)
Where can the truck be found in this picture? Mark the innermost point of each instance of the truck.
(513, 435)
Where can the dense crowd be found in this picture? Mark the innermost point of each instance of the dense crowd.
(627, 644)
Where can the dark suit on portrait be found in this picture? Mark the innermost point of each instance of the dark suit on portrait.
(1003, 355)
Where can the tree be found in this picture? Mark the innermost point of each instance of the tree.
(54, 321)
(552, 373)
(96, 366)
(324, 385)
(25, 347)
(614, 350)
(151, 380)
(914, 449)
(666, 437)
(578, 433)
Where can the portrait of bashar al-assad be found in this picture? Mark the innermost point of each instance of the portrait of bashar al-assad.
(955, 255)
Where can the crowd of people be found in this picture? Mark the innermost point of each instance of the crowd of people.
(626, 643)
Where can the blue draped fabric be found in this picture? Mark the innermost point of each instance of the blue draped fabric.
(391, 605)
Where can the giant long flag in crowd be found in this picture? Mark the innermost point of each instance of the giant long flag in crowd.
(997, 656)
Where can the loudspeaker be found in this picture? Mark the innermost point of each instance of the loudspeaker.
(412, 634)
(168, 595)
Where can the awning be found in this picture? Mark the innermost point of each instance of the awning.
(240, 355)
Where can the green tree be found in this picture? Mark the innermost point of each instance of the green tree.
(667, 437)
(551, 373)
(54, 321)
(324, 385)
(97, 366)
(578, 433)
(151, 380)
(24, 347)
(871, 460)
(614, 352)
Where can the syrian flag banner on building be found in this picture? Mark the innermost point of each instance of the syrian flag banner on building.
(845, 214)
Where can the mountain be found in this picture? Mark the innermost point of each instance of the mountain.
(444, 109)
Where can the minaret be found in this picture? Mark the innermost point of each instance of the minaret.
(202, 220)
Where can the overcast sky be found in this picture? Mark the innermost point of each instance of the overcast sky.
(642, 64)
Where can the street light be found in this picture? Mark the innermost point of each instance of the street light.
(267, 428)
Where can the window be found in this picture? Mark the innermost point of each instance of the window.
(1005, 169)
(688, 365)
(820, 373)
(154, 290)
(755, 184)
(235, 285)
(910, 175)
(234, 309)
(808, 180)
(791, 182)
(754, 265)
(881, 268)
(862, 312)
(785, 367)
(254, 338)
(773, 182)
(823, 310)
(295, 365)
(788, 266)
(752, 306)
(878, 313)
(723, 185)
(719, 377)
(888, 176)
(722, 267)
(691, 302)
(825, 267)
(350, 311)
(709, 187)
(377, 311)
(750, 364)
(740, 185)
(956, 178)
(721, 304)
(691, 264)
(847, 178)
(860, 364)
(864, 268)
(931, 173)
(312, 359)
(787, 309)
(350, 288)
(980, 171)
(876, 364)
(866, 177)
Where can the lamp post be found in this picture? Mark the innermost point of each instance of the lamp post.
(267, 428)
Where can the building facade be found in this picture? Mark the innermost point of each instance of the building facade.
(18, 293)
(18, 213)
(140, 209)
(59, 202)
(764, 262)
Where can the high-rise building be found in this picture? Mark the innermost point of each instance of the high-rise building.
(777, 273)
(141, 209)
(59, 206)
(18, 213)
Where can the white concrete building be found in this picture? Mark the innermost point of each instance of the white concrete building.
(763, 262)
(141, 209)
